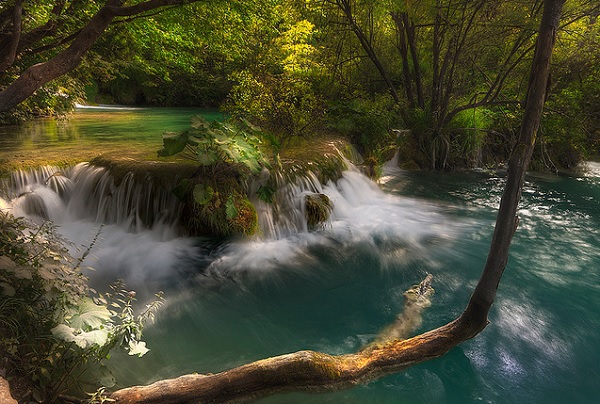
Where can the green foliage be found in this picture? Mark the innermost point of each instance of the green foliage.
(266, 193)
(203, 194)
(469, 129)
(285, 104)
(279, 91)
(231, 211)
(366, 123)
(55, 332)
(214, 142)
(227, 152)
(55, 98)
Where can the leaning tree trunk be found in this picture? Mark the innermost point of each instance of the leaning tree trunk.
(308, 370)
(507, 220)
(38, 75)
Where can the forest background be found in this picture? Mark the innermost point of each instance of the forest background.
(454, 73)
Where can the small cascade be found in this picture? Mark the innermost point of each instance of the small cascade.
(286, 216)
(87, 192)
(90, 193)
(133, 225)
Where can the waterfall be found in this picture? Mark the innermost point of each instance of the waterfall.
(88, 192)
(140, 242)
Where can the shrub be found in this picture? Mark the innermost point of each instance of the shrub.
(55, 332)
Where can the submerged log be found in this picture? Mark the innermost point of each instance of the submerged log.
(5, 396)
(315, 371)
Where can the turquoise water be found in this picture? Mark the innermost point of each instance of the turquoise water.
(89, 131)
(332, 291)
(232, 301)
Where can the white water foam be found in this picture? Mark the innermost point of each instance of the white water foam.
(363, 217)
(138, 240)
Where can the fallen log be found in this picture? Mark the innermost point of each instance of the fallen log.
(315, 371)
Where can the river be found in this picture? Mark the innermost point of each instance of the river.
(234, 301)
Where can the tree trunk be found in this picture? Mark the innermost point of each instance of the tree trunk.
(412, 44)
(37, 75)
(9, 51)
(507, 219)
(308, 370)
(345, 7)
(401, 30)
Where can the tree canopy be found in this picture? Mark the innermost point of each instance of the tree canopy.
(452, 72)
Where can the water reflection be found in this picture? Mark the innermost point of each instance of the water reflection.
(85, 133)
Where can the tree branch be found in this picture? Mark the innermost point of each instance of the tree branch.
(310, 370)
(38, 75)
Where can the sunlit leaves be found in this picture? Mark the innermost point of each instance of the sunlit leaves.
(137, 348)
(53, 331)
(88, 315)
(218, 142)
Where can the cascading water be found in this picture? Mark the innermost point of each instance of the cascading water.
(333, 288)
(222, 293)
(89, 192)
(134, 221)
(139, 239)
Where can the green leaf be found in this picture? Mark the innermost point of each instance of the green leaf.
(173, 143)
(266, 193)
(89, 314)
(64, 332)
(90, 338)
(230, 208)
(207, 157)
(203, 194)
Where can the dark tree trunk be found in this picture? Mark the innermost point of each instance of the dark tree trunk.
(37, 75)
(346, 8)
(507, 220)
(412, 44)
(401, 29)
(9, 47)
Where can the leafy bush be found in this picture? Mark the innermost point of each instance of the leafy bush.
(215, 197)
(367, 124)
(214, 142)
(55, 332)
(469, 129)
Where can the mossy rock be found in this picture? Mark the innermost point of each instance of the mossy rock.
(165, 174)
(318, 209)
(216, 203)
(245, 221)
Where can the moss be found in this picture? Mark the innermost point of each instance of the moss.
(246, 220)
(210, 217)
(324, 157)
(318, 208)
(164, 174)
